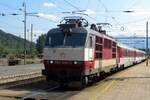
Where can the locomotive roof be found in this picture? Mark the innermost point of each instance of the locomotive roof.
(74, 30)
(100, 34)
(84, 30)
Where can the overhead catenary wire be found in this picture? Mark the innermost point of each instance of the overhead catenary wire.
(133, 4)
(71, 5)
(10, 14)
(8, 6)
(113, 18)
(60, 8)
(78, 9)
(87, 5)
(107, 11)
(136, 21)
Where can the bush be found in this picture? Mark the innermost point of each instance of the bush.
(12, 62)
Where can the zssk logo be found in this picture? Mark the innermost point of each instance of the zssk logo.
(62, 55)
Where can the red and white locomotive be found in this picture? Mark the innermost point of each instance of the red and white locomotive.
(76, 52)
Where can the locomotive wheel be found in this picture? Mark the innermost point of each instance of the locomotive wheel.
(47, 78)
(102, 75)
(63, 84)
(79, 84)
(85, 81)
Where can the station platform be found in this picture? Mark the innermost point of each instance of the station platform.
(19, 69)
(130, 84)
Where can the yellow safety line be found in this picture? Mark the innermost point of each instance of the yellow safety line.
(106, 87)
(110, 85)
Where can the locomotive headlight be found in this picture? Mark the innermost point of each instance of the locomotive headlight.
(75, 62)
(51, 62)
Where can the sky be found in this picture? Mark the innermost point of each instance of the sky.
(51, 12)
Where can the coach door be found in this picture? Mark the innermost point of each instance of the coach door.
(91, 48)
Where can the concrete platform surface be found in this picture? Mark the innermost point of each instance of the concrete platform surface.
(130, 84)
(19, 69)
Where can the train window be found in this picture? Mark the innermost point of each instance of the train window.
(107, 43)
(49, 41)
(124, 52)
(113, 55)
(114, 50)
(98, 55)
(90, 42)
(76, 39)
(99, 40)
(98, 47)
(114, 44)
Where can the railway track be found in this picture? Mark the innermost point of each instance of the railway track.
(56, 93)
(33, 94)
(37, 91)
(20, 79)
(43, 91)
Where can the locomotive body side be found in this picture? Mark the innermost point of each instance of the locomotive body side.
(105, 52)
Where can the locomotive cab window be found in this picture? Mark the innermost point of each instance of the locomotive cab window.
(49, 40)
(90, 42)
(61, 40)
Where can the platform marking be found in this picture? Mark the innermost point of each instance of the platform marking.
(107, 86)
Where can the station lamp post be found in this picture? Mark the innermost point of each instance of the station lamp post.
(25, 24)
(147, 50)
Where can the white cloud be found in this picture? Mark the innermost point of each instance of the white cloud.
(140, 12)
(39, 32)
(49, 16)
(1, 28)
(89, 12)
(48, 4)
(137, 29)
(129, 30)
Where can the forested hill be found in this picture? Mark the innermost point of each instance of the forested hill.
(11, 44)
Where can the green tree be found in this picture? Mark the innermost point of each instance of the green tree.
(11, 44)
(40, 43)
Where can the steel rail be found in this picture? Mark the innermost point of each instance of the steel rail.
(20, 79)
